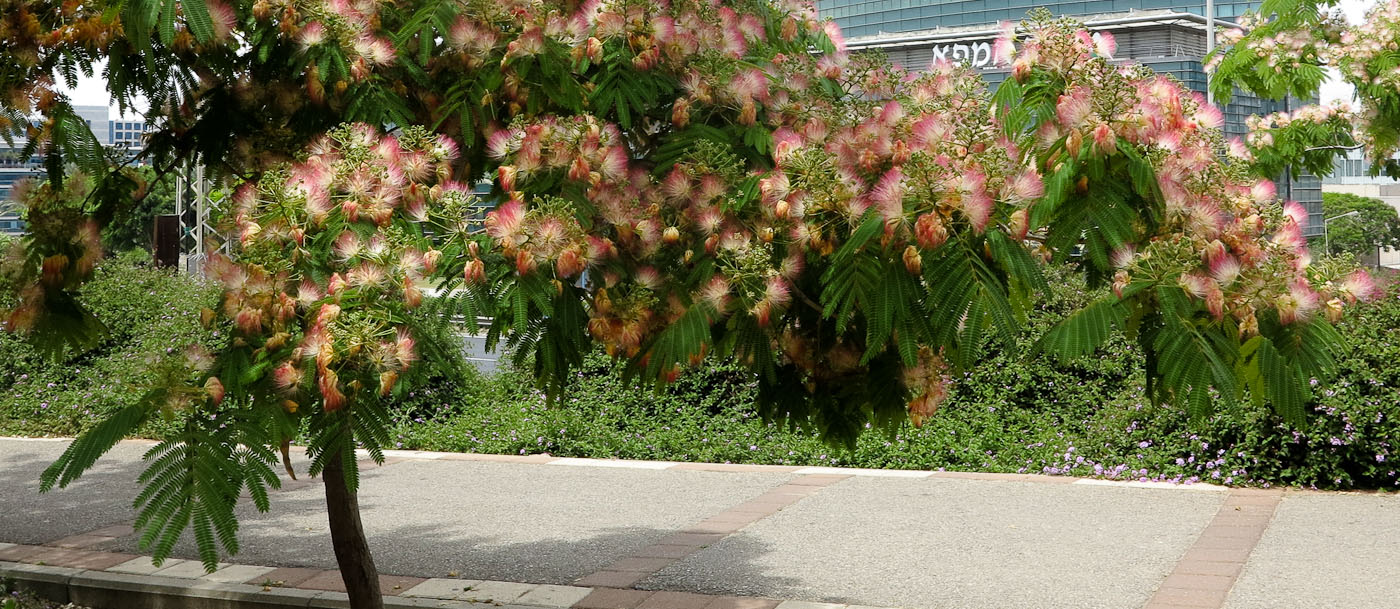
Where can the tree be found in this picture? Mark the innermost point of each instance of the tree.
(1376, 225)
(1285, 49)
(733, 181)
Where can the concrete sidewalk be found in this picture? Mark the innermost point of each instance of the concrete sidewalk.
(612, 534)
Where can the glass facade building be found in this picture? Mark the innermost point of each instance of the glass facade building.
(872, 17)
(1168, 36)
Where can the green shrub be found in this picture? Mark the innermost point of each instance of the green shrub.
(1014, 413)
(149, 313)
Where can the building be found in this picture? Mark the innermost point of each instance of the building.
(1351, 174)
(1168, 36)
(125, 134)
(14, 167)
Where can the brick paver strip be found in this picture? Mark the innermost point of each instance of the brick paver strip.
(676, 600)
(19, 552)
(628, 570)
(1203, 577)
(741, 602)
(613, 598)
(85, 540)
(612, 579)
(548, 595)
(288, 577)
(79, 559)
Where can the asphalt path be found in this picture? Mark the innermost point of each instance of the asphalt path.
(929, 542)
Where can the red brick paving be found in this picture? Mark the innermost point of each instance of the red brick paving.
(1203, 577)
(330, 581)
(20, 552)
(741, 602)
(609, 578)
(613, 598)
(86, 540)
(676, 600)
(289, 576)
(78, 559)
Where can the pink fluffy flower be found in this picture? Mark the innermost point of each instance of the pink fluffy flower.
(1297, 213)
(1074, 107)
(1296, 304)
(1360, 286)
(1105, 44)
(1004, 49)
(504, 222)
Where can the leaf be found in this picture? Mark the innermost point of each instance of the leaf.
(1083, 331)
(167, 23)
(197, 17)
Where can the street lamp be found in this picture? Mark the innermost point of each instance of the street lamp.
(1326, 242)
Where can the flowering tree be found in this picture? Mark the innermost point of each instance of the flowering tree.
(1285, 49)
(675, 180)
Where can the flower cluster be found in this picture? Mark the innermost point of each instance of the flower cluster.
(926, 154)
(331, 259)
(1283, 54)
(61, 258)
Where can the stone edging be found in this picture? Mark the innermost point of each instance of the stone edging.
(109, 589)
(395, 456)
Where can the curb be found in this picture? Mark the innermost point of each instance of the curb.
(115, 590)
(103, 589)
(395, 455)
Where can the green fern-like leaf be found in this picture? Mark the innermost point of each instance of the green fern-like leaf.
(1084, 331)
(83, 453)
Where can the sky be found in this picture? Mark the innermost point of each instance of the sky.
(93, 91)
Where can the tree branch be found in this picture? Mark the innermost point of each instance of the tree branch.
(1337, 147)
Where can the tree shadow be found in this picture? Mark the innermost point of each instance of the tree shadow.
(436, 542)
(101, 497)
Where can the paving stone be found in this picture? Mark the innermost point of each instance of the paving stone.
(612, 579)
(676, 600)
(18, 552)
(141, 565)
(86, 540)
(494, 591)
(741, 602)
(549, 595)
(809, 605)
(237, 574)
(640, 564)
(285, 577)
(440, 587)
(666, 551)
(189, 569)
(396, 585)
(81, 559)
(613, 598)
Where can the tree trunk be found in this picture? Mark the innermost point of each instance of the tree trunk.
(348, 537)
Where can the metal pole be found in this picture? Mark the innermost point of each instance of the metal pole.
(1210, 43)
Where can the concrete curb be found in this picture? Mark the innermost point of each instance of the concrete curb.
(394, 456)
(103, 589)
(115, 590)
